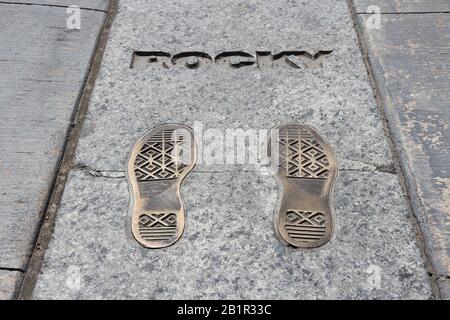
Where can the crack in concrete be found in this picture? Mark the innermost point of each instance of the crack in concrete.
(114, 174)
(99, 173)
(379, 170)
(352, 165)
(49, 5)
(12, 269)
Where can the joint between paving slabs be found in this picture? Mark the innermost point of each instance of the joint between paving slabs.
(49, 5)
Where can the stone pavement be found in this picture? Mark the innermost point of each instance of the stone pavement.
(229, 249)
(410, 58)
(382, 249)
(43, 66)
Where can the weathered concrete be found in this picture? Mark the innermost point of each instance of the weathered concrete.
(410, 58)
(85, 4)
(404, 6)
(43, 66)
(9, 280)
(229, 249)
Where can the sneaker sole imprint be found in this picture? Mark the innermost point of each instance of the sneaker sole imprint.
(306, 169)
(156, 168)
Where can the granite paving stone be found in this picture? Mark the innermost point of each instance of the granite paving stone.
(229, 249)
(337, 98)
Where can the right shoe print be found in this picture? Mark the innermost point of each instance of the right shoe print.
(306, 168)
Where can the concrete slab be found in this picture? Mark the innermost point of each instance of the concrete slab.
(410, 58)
(9, 281)
(43, 67)
(229, 249)
(404, 6)
(86, 4)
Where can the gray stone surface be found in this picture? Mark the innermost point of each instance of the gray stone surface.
(9, 280)
(42, 67)
(444, 288)
(404, 6)
(336, 99)
(87, 4)
(410, 57)
(229, 249)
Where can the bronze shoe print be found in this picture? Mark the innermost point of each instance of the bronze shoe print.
(156, 168)
(306, 169)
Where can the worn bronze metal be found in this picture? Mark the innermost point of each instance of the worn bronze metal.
(156, 168)
(306, 169)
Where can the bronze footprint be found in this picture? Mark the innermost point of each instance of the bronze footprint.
(156, 168)
(306, 168)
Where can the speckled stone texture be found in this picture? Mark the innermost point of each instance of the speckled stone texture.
(444, 288)
(336, 99)
(9, 281)
(229, 249)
